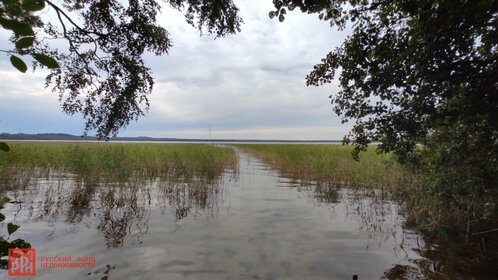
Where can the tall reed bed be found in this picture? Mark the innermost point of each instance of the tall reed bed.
(116, 161)
(116, 183)
(333, 164)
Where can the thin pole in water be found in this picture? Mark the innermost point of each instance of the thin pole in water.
(209, 133)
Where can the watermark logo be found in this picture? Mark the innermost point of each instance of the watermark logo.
(22, 262)
(54, 262)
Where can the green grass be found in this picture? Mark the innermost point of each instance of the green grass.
(116, 161)
(333, 164)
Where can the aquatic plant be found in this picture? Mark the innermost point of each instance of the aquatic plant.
(332, 165)
(77, 178)
(5, 244)
(113, 162)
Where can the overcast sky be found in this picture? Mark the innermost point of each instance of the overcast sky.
(248, 85)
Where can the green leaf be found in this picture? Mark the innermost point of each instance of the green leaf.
(7, 23)
(13, 9)
(25, 42)
(23, 29)
(11, 228)
(33, 5)
(19, 28)
(10, 2)
(4, 247)
(19, 243)
(18, 64)
(4, 147)
(4, 264)
(46, 60)
(4, 200)
(2, 217)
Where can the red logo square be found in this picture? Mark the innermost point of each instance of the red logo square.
(22, 262)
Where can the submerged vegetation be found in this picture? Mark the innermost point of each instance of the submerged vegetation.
(333, 165)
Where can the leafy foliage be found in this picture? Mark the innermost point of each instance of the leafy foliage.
(4, 147)
(17, 17)
(459, 178)
(5, 244)
(101, 72)
(419, 72)
(409, 67)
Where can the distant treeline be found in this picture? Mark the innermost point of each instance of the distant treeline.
(69, 137)
(44, 136)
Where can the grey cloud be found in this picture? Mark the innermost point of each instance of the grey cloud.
(252, 82)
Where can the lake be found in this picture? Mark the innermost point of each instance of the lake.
(252, 223)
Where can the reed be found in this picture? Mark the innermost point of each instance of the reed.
(333, 164)
(115, 161)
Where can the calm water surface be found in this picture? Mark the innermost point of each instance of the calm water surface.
(253, 225)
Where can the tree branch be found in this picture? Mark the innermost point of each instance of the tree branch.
(8, 52)
(60, 11)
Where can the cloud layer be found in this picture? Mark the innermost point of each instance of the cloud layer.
(249, 85)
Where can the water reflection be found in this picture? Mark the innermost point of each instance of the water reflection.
(120, 209)
(250, 224)
(455, 257)
(79, 200)
(124, 211)
(191, 198)
(378, 216)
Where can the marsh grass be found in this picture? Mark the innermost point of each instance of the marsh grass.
(113, 162)
(117, 182)
(333, 165)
